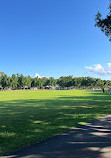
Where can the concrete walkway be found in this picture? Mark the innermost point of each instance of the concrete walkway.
(92, 140)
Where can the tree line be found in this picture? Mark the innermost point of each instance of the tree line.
(19, 81)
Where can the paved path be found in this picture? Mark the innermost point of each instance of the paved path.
(92, 140)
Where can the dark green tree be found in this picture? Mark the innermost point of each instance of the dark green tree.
(4, 81)
(99, 82)
(78, 81)
(104, 23)
(14, 81)
(51, 81)
(20, 81)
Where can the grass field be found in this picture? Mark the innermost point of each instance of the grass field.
(27, 117)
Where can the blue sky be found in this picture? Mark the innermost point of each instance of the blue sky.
(53, 38)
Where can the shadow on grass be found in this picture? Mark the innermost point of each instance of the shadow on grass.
(91, 140)
(24, 122)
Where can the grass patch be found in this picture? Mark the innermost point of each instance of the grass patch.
(27, 117)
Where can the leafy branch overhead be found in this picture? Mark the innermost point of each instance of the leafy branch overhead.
(104, 24)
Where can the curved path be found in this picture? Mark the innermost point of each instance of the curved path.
(92, 140)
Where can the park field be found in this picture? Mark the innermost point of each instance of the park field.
(27, 117)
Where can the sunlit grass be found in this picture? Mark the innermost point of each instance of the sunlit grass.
(27, 117)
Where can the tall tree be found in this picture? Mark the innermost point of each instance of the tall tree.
(14, 81)
(51, 81)
(104, 23)
(4, 81)
(20, 81)
(28, 83)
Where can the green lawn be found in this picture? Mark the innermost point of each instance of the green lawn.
(27, 117)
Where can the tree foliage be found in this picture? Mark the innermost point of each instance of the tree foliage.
(104, 23)
(20, 82)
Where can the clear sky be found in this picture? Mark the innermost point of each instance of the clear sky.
(53, 38)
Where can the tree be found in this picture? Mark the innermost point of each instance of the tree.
(51, 81)
(37, 82)
(104, 24)
(2, 74)
(44, 81)
(78, 81)
(65, 81)
(14, 81)
(28, 82)
(20, 80)
(4, 81)
(99, 82)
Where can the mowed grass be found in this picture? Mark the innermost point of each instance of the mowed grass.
(27, 117)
